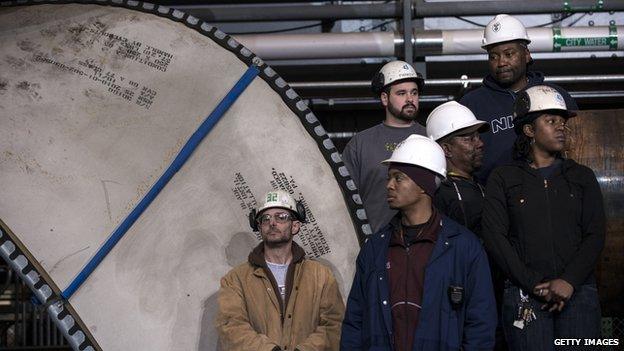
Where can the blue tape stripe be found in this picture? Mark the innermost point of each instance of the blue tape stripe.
(177, 163)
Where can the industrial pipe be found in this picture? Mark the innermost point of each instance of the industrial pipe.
(420, 9)
(555, 39)
(432, 42)
(328, 45)
(423, 8)
(609, 78)
(351, 102)
(290, 12)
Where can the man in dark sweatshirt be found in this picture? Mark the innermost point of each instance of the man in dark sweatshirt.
(506, 41)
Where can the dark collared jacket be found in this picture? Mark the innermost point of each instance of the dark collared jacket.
(538, 229)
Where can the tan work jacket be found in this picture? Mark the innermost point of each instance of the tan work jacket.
(250, 317)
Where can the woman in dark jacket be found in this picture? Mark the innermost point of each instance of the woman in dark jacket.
(544, 224)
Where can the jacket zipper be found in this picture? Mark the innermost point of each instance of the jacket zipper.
(407, 266)
(550, 229)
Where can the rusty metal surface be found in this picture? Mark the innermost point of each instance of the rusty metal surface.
(597, 139)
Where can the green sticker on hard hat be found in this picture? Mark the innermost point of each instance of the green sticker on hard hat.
(560, 42)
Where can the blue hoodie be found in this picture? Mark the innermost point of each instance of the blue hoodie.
(494, 104)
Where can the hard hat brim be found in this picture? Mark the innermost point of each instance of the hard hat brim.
(474, 126)
(390, 160)
(519, 122)
(269, 207)
(488, 45)
(420, 82)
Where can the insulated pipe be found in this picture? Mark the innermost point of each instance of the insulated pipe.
(434, 42)
(424, 8)
(609, 78)
(290, 12)
(555, 39)
(329, 45)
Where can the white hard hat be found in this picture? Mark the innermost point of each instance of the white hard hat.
(393, 72)
(278, 199)
(451, 117)
(538, 98)
(420, 151)
(504, 28)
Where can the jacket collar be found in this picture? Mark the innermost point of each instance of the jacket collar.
(524, 165)
(429, 231)
(256, 256)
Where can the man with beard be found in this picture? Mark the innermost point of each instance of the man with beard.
(398, 85)
(279, 299)
(506, 41)
(457, 130)
(422, 282)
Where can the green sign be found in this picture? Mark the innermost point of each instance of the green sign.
(567, 7)
(560, 41)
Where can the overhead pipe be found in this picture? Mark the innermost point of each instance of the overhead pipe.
(290, 12)
(555, 39)
(423, 8)
(328, 45)
(349, 103)
(420, 9)
(425, 42)
(463, 81)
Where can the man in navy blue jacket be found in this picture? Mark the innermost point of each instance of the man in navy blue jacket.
(506, 40)
(423, 281)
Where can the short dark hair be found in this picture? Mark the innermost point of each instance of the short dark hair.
(386, 89)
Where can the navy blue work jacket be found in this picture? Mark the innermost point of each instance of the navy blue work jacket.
(458, 259)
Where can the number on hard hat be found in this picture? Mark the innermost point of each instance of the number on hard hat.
(537, 99)
(393, 72)
(451, 117)
(504, 28)
(278, 199)
(420, 151)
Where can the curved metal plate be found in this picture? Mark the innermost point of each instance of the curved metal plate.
(596, 141)
(96, 102)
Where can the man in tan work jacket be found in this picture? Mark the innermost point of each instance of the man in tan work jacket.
(278, 299)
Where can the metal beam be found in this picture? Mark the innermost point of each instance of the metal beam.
(408, 34)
